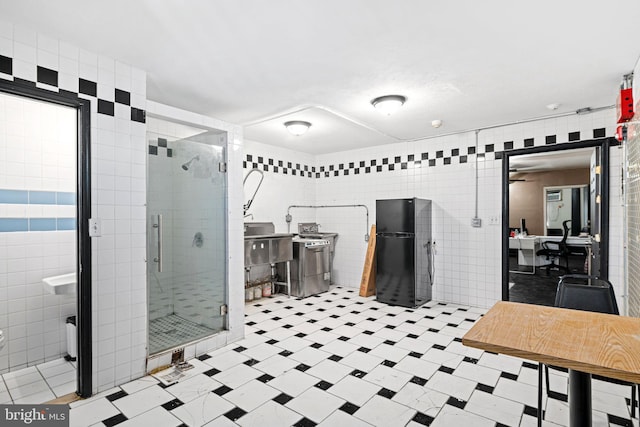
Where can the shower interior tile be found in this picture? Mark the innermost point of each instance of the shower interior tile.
(172, 330)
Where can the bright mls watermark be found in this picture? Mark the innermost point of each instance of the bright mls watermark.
(34, 415)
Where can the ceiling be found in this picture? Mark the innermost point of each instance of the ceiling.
(260, 63)
(556, 160)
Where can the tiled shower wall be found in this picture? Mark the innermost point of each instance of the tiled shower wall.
(468, 260)
(192, 283)
(37, 228)
(117, 93)
(234, 245)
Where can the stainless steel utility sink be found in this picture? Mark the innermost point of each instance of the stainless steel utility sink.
(263, 246)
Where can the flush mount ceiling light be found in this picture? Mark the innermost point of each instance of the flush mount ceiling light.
(297, 127)
(388, 104)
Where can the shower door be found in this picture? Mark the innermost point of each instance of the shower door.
(186, 234)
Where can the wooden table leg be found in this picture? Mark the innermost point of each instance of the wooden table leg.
(579, 399)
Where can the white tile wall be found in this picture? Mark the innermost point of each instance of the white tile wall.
(632, 208)
(117, 191)
(37, 153)
(468, 260)
(278, 191)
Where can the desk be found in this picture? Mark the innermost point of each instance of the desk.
(584, 342)
(527, 248)
(571, 240)
(574, 242)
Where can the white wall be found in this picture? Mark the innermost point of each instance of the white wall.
(282, 186)
(37, 227)
(118, 195)
(468, 260)
(117, 190)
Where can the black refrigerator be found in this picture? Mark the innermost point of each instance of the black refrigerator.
(404, 252)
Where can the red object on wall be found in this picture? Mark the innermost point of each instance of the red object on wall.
(621, 133)
(625, 105)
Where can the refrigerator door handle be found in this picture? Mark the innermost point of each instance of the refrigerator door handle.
(402, 235)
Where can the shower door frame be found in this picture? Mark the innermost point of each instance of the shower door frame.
(225, 303)
(84, 336)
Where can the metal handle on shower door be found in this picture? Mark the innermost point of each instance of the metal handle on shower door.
(159, 258)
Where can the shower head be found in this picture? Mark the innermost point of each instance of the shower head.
(188, 164)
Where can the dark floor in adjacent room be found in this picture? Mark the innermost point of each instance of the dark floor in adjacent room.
(539, 288)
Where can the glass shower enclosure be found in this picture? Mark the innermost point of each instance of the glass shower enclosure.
(186, 234)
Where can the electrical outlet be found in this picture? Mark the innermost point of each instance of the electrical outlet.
(494, 220)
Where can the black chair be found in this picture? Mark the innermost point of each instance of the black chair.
(556, 250)
(588, 293)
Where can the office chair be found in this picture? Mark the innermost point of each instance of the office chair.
(557, 250)
(589, 294)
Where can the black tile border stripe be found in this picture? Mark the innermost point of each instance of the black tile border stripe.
(392, 163)
(47, 76)
(86, 87)
(6, 65)
(106, 107)
(122, 97)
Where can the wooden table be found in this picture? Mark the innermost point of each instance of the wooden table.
(584, 342)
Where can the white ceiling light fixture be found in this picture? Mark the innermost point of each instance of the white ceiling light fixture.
(297, 127)
(388, 104)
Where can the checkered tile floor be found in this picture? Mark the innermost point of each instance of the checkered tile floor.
(337, 359)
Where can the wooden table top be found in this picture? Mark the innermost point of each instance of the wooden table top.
(595, 343)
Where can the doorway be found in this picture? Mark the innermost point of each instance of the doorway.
(44, 211)
(541, 185)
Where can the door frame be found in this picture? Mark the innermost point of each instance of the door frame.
(84, 336)
(604, 144)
